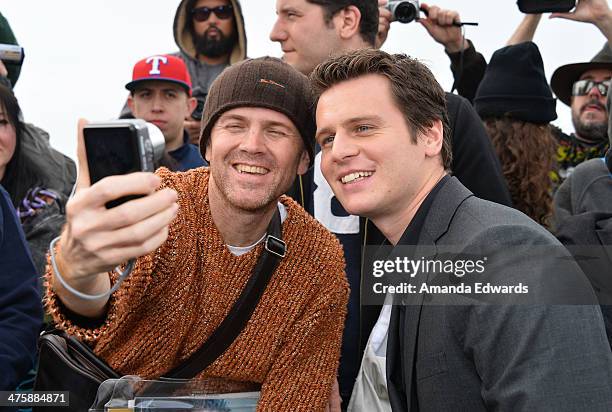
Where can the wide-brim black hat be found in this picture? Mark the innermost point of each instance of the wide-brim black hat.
(564, 77)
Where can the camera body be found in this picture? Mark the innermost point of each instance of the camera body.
(120, 147)
(11, 53)
(545, 6)
(200, 96)
(404, 11)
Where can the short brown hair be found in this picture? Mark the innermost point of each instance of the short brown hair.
(368, 25)
(416, 92)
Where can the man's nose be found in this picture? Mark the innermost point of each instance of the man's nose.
(213, 20)
(157, 103)
(278, 32)
(595, 93)
(253, 141)
(343, 147)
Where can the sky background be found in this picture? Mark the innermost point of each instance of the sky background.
(79, 54)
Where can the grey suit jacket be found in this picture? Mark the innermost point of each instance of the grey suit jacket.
(468, 357)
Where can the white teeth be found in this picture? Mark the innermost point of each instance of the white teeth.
(355, 176)
(251, 169)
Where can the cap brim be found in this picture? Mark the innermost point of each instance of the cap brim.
(131, 86)
(564, 77)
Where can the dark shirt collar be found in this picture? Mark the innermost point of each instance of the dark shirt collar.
(413, 231)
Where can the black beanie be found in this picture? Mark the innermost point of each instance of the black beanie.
(265, 82)
(515, 85)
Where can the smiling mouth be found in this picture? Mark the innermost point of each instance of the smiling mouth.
(355, 177)
(254, 170)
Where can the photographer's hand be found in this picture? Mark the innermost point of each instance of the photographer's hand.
(439, 25)
(596, 12)
(95, 239)
(384, 23)
(192, 127)
(3, 70)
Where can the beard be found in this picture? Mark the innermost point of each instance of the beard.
(592, 131)
(216, 47)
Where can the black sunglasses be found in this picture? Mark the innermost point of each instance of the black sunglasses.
(583, 87)
(203, 13)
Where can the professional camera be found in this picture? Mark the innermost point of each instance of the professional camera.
(121, 147)
(200, 96)
(11, 53)
(404, 11)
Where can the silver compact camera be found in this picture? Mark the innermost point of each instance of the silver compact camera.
(404, 11)
(120, 147)
(11, 53)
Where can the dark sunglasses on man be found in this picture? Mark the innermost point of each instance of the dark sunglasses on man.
(583, 87)
(203, 13)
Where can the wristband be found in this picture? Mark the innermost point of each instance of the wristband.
(122, 275)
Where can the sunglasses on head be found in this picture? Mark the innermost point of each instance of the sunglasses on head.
(583, 87)
(203, 13)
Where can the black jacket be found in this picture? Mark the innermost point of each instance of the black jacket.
(468, 70)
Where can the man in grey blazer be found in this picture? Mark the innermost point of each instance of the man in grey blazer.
(382, 128)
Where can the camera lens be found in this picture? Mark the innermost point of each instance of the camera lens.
(405, 12)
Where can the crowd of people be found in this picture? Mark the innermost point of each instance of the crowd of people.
(337, 149)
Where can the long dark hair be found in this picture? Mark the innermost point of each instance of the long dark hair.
(527, 155)
(20, 174)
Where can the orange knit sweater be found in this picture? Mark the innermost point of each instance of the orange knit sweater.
(177, 296)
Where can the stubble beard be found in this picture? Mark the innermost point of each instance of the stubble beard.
(592, 131)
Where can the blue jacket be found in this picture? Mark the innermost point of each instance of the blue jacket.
(20, 302)
(187, 156)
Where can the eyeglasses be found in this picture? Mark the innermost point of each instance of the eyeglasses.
(203, 13)
(583, 87)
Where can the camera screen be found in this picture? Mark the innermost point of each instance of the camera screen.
(110, 151)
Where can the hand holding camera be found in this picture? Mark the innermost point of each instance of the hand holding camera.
(440, 24)
(443, 25)
(96, 238)
(596, 12)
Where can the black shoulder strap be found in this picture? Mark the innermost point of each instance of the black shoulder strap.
(238, 316)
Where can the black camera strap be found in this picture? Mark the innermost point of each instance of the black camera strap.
(241, 311)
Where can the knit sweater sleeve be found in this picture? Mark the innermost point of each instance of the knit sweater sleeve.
(134, 287)
(302, 376)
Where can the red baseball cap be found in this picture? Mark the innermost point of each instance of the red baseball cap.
(160, 67)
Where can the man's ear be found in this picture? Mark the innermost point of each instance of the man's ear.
(304, 163)
(433, 138)
(130, 102)
(346, 22)
(207, 151)
(192, 102)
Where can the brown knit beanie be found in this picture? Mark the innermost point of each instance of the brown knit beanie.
(265, 82)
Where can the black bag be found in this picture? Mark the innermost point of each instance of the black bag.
(545, 6)
(66, 364)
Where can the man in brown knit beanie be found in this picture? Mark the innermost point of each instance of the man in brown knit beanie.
(196, 237)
